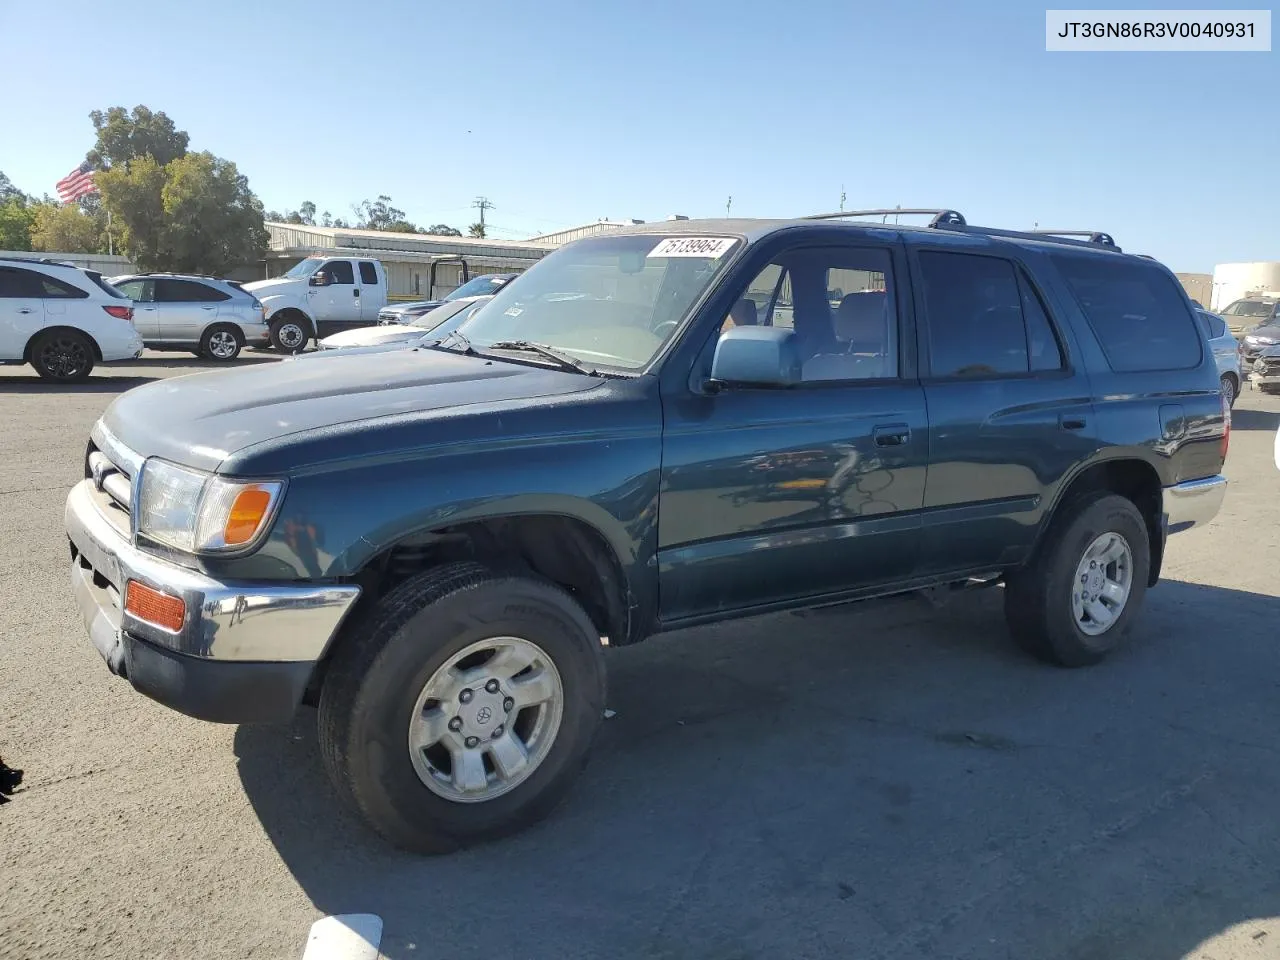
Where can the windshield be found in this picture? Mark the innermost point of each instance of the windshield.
(304, 269)
(478, 287)
(1250, 308)
(433, 318)
(606, 300)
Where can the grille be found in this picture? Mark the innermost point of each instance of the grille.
(112, 467)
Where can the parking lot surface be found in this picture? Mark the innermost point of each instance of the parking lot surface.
(887, 781)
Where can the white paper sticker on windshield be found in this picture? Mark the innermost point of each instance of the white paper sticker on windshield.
(708, 248)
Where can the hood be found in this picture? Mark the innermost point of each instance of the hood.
(417, 306)
(266, 288)
(201, 419)
(372, 336)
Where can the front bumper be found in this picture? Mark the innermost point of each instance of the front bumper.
(1193, 502)
(245, 651)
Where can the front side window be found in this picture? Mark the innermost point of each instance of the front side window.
(340, 271)
(984, 320)
(610, 301)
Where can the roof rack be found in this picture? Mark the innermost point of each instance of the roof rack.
(1094, 236)
(47, 261)
(940, 216)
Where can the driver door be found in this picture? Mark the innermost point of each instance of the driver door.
(336, 306)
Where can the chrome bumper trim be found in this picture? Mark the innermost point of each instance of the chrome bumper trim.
(1193, 502)
(237, 621)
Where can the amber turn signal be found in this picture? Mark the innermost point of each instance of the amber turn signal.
(246, 515)
(154, 607)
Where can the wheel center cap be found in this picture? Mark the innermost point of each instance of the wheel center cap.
(482, 714)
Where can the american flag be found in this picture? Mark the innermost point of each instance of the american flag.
(77, 183)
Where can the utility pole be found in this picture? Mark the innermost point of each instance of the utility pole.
(728, 205)
(842, 198)
(482, 204)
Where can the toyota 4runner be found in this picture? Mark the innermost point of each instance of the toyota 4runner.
(673, 424)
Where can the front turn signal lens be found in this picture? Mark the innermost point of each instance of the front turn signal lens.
(247, 512)
(151, 606)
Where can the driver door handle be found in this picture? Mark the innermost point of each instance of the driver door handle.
(892, 435)
(355, 292)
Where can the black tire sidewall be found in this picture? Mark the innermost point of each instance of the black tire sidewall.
(38, 346)
(219, 328)
(383, 781)
(1106, 514)
(274, 328)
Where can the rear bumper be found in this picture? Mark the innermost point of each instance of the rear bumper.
(245, 651)
(1193, 502)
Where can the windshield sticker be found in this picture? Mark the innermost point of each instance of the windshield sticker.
(709, 248)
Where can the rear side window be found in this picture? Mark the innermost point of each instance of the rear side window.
(15, 283)
(52, 289)
(984, 319)
(368, 273)
(186, 291)
(1136, 311)
(340, 271)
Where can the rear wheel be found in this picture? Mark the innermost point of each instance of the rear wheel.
(1229, 389)
(222, 342)
(463, 707)
(62, 355)
(1075, 601)
(289, 334)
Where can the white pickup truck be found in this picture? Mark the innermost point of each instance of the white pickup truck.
(321, 296)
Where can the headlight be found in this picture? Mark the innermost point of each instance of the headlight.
(197, 512)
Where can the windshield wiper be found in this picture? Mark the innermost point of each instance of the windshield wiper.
(563, 360)
(457, 337)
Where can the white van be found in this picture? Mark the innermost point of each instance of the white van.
(321, 296)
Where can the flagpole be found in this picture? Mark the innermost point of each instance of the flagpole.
(110, 247)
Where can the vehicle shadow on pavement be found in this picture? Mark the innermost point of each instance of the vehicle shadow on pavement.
(95, 384)
(886, 780)
(1254, 420)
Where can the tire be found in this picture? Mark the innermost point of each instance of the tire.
(290, 334)
(1229, 389)
(1040, 600)
(65, 356)
(385, 667)
(222, 342)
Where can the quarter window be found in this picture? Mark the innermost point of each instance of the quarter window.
(984, 319)
(52, 289)
(340, 271)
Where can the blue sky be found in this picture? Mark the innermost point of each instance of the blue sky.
(562, 113)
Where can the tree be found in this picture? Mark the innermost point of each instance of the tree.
(124, 137)
(381, 215)
(212, 220)
(308, 213)
(7, 190)
(443, 230)
(476, 230)
(64, 228)
(134, 195)
(16, 217)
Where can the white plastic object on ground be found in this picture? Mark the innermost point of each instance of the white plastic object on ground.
(349, 936)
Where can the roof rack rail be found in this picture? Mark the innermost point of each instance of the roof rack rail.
(940, 216)
(1094, 236)
(47, 261)
(1052, 236)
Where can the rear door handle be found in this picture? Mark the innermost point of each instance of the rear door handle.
(1071, 421)
(892, 435)
(25, 310)
(355, 292)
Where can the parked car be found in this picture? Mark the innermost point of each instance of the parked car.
(1264, 371)
(212, 318)
(319, 297)
(1241, 315)
(486, 285)
(1227, 351)
(1259, 338)
(431, 544)
(425, 326)
(62, 319)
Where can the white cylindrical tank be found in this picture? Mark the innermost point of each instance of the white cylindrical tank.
(1234, 281)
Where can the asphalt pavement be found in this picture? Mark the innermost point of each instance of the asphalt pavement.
(875, 781)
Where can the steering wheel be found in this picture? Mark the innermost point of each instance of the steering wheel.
(664, 329)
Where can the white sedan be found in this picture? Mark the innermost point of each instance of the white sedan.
(440, 321)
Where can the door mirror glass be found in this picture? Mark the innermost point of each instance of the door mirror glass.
(319, 279)
(756, 357)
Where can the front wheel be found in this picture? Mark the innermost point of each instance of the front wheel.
(1074, 602)
(463, 707)
(62, 355)
(290, 335)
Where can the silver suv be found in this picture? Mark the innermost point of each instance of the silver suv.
(212, 318)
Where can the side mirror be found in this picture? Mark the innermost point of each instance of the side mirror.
(756, 357)
(319, 279)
